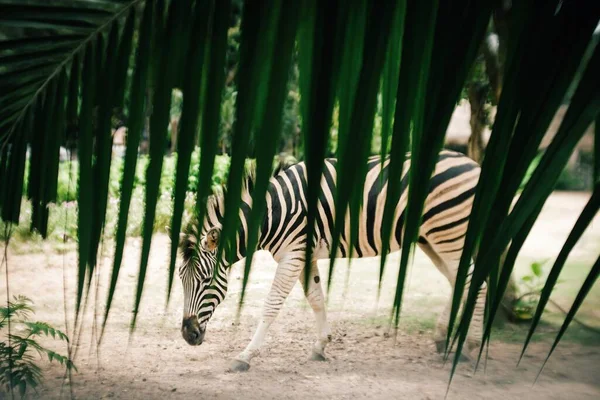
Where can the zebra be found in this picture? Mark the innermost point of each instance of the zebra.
(283, 233)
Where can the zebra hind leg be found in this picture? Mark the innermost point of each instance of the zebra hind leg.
(474, 336)
(441, 328)
(286, 275)
(316, 299)
(448, 266)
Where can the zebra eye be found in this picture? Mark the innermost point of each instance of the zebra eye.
(206, 280)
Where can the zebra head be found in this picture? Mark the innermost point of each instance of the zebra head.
(204, 280)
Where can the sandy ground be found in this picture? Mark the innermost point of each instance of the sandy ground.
(364, 361)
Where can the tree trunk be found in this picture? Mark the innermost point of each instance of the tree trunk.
(174, 126)
(477, 96)
(494, 53)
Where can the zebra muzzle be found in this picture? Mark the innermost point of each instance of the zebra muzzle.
(191, 331)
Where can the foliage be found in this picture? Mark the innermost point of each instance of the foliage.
(533, 283)
(574, 177)
(19, 369)
(62, 222)
(72, 72)
(532, 166)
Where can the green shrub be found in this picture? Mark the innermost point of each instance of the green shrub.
(18, 362)
(577, 176)
(63, 214)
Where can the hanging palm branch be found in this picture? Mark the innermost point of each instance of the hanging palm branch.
(65, 67)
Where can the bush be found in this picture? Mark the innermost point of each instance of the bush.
(63, 214)
(576, 177)
(18, 364)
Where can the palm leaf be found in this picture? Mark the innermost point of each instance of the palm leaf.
(168, 68)
(585, 289)
(422, 34)
(353, 19)
(498, 145)
(358, 137)
(103, 141)
(389, 81)
(134, 131)
(424, 50)
(33, 86)
(319, 97)
(586, 217)
(211, 112)
(4, 178)
(42, 154)
(256, 50)
(597, 151)
(73, 101)
(533, 122)
(583, 109)
(84, 154)
(270, 127)
(58, 134)
(13, 169)
(51, 25)
(557, 42)
(189, 124)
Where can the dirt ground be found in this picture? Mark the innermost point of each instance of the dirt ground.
(364, 361)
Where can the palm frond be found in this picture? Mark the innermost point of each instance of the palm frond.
(64, 69)
(136, 122)
(169, 50)
(269, 128)
(256, 51)
(192, 89)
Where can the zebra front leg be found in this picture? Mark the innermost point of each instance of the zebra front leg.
(316, 299)
(286, 275)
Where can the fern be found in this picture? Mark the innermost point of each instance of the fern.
(19, 354)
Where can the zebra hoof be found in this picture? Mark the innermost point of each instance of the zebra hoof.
(239, 366)
(315, 356)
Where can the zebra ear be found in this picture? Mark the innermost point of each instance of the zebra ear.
(212, 239)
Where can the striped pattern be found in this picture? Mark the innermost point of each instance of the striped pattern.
(283, 234)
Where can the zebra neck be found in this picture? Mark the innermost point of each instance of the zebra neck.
(241, 245)
(238, 252)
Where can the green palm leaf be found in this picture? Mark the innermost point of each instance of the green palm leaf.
(189, 123)
(258, 33)
(211, 112)
(134, 131)
(269, 128)
(389, 81)
(84, 153)
(353, 21)
(168, 68)
(583, 109)
(597, 151)
(585, 289)
(326, 23)
(586, 217)
(421, 53)
(421, 35)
